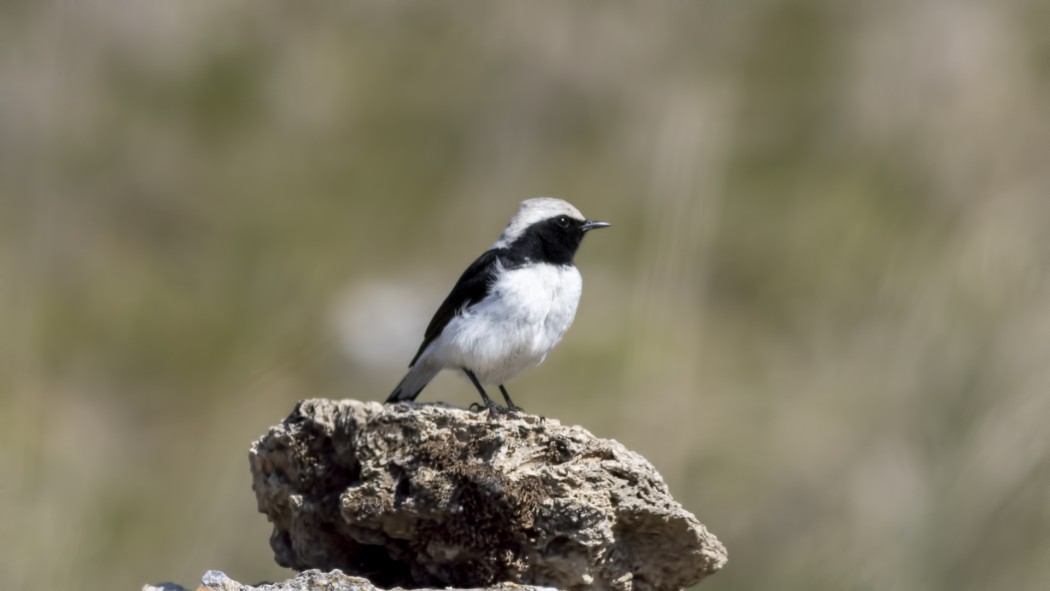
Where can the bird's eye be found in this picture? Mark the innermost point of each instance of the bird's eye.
(563, 221)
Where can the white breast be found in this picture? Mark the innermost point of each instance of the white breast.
(524, 316)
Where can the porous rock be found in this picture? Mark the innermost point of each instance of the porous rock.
(429, 495)
(308, 581)
(311, 580)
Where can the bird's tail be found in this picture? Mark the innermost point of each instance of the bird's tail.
(417, 378)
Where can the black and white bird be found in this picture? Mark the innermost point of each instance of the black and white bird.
(510, 307)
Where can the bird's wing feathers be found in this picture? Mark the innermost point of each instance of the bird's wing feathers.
(471, 288)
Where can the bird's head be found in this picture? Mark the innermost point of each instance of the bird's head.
(547, 230)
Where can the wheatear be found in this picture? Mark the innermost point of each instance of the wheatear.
(510, 307)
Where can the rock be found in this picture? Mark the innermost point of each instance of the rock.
(311, 580)
(428, 495)
(164, 587)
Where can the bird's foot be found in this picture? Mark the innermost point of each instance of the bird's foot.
(511, 407)
(498, 411)
(493, 408)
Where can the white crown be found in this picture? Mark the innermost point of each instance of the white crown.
(532, 211)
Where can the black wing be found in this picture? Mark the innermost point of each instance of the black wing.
(471, 288)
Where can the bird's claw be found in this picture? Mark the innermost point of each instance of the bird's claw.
(491, 407)
(496, 410)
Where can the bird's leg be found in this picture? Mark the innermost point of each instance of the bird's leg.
(489, 403)
(510, 403)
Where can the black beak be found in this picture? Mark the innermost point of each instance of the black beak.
(593, 225)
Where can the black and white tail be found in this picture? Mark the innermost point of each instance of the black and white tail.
(417, 378)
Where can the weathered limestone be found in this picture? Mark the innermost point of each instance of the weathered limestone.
(311, 580)
(428, 495)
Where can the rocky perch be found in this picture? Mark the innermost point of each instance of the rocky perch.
(311, 580)
(432, 496)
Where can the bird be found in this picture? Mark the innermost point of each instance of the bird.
(510, 307)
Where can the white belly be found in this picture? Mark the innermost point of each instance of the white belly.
(525, 315)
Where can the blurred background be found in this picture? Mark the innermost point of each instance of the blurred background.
(823, 311)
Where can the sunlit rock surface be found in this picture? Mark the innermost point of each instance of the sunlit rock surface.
(432, 496)
(312, 580)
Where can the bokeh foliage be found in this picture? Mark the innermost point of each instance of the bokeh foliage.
(823, 310)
